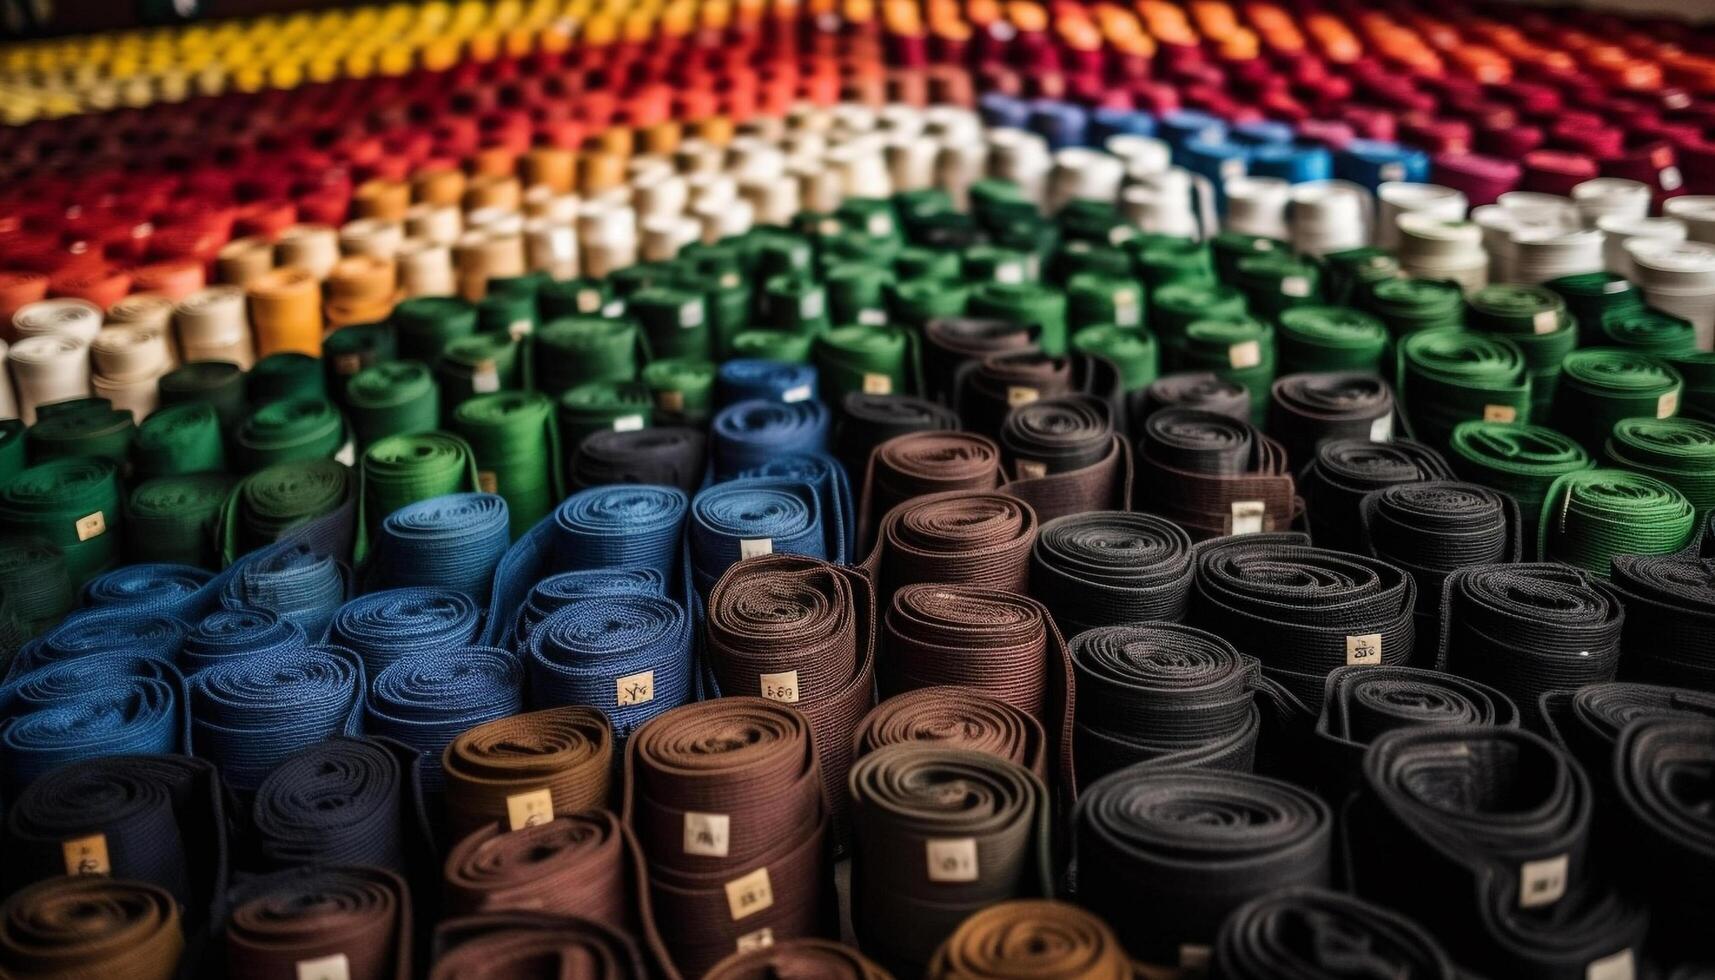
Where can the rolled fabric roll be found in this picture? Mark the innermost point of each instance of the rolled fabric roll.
(252, 711)
(875, 360)
(1600, 386)
(726, 799)
(266, 504)
(1133, 352)
(949, 342)
(355, 916)
(1669, 636)
(1649, 331)
(556, 590)
(773, 345)
(1307, 409)
(921, 463)
(386, 626)
(1240, 350)
(1536, 320)
(1499, 831)
(515, 442)
(425, 325)
(1587, 723)
(1410, 305)
(212, 325)
(1163, 694)
(348, 351)
(669, 455)
(404, 469)
(1303, 611)
(299, 584)
(426, 699)
(395, 398)
(798, 957)
(11, 447)
(1202, 390)
(1519, 460)
(991, 640)
(958, 537)
(748, 379)
(113, 629)
(175, 519)
(747, 434)
(956, 716)
(1665, 844)
(827, 478)
(292, 430)
(480, 365)
(127, 360)
(579, 349)
(452, 542)
(517, 943)
(65, 317)
(1001, 382)
(1109, 567)
(228, 633)
(290, 374)
(1301, 932)
(178, 440)
(124, 716)
(1448, 376)
(682, 388)
(72, 503)
(599, 406)
(340, 801)
(1330, 338)
(35, 582)
(867, 421)
(46, 369)
(1055, 435)
(629, 655)
(744, 518)
(220, 383)
(1677, 451)
(84, 427)
(1213, 474)
(620, 526)
(91, 926)
(1181, 850)
(1031, 938)
(565, 865)
(498, 771)
(1593, 516)
(156, 587)
(286, 311)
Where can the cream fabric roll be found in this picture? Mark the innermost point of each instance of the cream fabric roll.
(46, 369)
(213, 324)
(77, 318)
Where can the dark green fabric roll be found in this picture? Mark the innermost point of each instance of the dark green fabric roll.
(1536, 320)
(1592, 297)
(1174, 306)
(1602, 385)
(400, 470)
(479, 365)
(575, 350)
(1410, 305)
(1650, 331)
(1095, 298)
(1079, 256)
(573, 297)
(85, 427)
(1229, 247)
(73, 504)
(1521, 460)
(1698, 370)
(286, 430)
(857, 292)
(175, 519)
(178, 440)
(423, 325)
(1276, 281)
(11, 448)
(219, 383)
(726, 295)
(34, 582)
(1163, 259)
(773, 345)
(675, 321)
(289, 374)
(1677, 451)
(917, 262)
(267, 503)
(1330, 338)
(914, 302)
(510, 313)
(1026, 304)
(1448, 375)
(621, 406)
(515, 440)
(349, 350)
(1238, 350)
(391, 399)
(796, 302)
(1592, 516)
(871, 360)
(682, 389)
(1133, 352)
(1349, 272)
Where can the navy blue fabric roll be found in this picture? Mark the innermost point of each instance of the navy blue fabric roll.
(753, 516)
(629, 655)
(449, 542)
(339, 801)
(123, 716)
(385, 626)
(298, 583)
(746, 379)
(428, 699)
(622, 525)
(556, 590)
(227, 633)
(158, 587)
(833, 489)
(249, 713)
(748, 434)
(105, 630)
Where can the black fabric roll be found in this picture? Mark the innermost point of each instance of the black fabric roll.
(668, 455)
(1166, 855)
(1056, 435)
(951, 342)
(1197, 389)
(1313, 934)
(1344, 470)
(1214, 475)
(1669, 637)
(1587, 722)
(1530, 628)
(1106, 567)
(341, 801)
(1306, 409)
(1481, 834)
(1303, 611)
(867, 421)
(992, 387)
(1200, 441)
(1663, 768)
(1164, 694)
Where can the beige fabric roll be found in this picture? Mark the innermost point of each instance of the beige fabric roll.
(426, 269)
(243, 259)
(438, 223)
(214, 325)
(483, 255)
(370, 236)
(77, 318)
(48, 368)
(142, 309)
(312, 248)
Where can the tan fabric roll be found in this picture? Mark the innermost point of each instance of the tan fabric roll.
(501, 191)
(441, 224)
(484, 255)
(214, 325)
(384, 199)
(286, 312)
(438, 186)
(376, 237)
(1031, 939)
(550, 166)
(313, 248)
(90, 926)
(426, 269)
(143, 310)
(501, 770)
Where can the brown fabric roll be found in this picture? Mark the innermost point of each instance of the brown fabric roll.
(988, 639)
(798, 959)
(920, 463)
(1249, 489)
(1103, 485)
(981, 539)
(500, 766)
(90, 926)
(1001, 381)
(799, 631)
(533, 946)
(951, 342)
(727, 800)
(573, 865)
(1031, 939)
(956, 716)
(359, 916)
(940, 833)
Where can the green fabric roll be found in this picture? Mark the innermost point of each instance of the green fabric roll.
(773, 345)
(1520, 460)
(872, 217)
(857, 293)
(1228, 247)
(1276, 281)
(1602, 385)
(287, 430)
(1591, 516)
(349, 350)
(72, 503)
(587, 408)
(720, 278)
(682, 389)
(1080, 257)
(392, 399)
(777, 252)
(479, 365)
(871, 360)
(511, 314)
(918, 262)
(1094, 298)
(1650, 331)
(219, 383)
(1410, 305)
(1592, 297)
(634, 279)
(925, 202)
(675, 321)
(1239, 350)
(1676, 451)
(573, 297)
(178, 440)
(1026, 304)
(1132, 351)
(574, 350)
(1174, 306)
(1536, 320)
(1095, 223)
(995, 202)
(1448, 376)
(34, 582)
(1330, 338)
(991, 263)
(85, 427)
(1164, 259)
(1698, 370)
(271, 501)
(423, 325)
(289, 374)
(400, 470)
(515, 440)
(1349, 272)
(529, 284)
(795, 302)
(177, 518)
(11, 448)
(914, 302)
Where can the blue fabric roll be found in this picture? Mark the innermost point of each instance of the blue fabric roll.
(227, 633)
(297, 583)
(751, 433)
(999, 109)
(1374, 162)
(449, 542)
(339, 801)
(105, 630)
(746, 379)
(556, 590)
(69, 680)
(621, 525)
(382, 627)
(1184, 125)
(1108, 122)
(833, 490)
(1218, 160)
(135, 716)
(427, 699)
(153, 586)
(1293, 162)
(249, 713)
(753, 516)
(1062, 124)
(1257, 132)
(629, 655)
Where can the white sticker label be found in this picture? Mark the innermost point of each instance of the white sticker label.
(1017, 395)
(1232, 169)
(812, 305)
(1500, 413)
(636, 688)
(1127, 312)
(880, 225)
(485, 379)
(1667, 404)
(1546, 321)
(1009, 272)
(1364, 649)
(782, 687)
(87, 855)
(797, 393)
(1030, 469)
(347, 454)
(520, 329)
(1671, 179)
(707, 834)
(589, 301)
(1619, 966)
(952, 859)
(529, 809)
(614, 310)
(333, 967)
(1247, 516)
(1381, 430)
(628, 423)
(1247, 354)
(872, 318)
(690, 315)
(91, 526)
(1542, 882)
(1295, 286)
(754, 547)
(1392, 171)
(750, 894)
(760, 939)
(877, 384)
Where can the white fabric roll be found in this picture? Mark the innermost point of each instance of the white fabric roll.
(46, 369)
(426, 268)
(77, 318)
(1395, 198)
(8, 400)
(213, 324)
(313, 248)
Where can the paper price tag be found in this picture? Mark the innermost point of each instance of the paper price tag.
(1017, 395)
(1127, 312)
(486, 481)
(813, 305)
(953, 859)
(87, 855)
(1381, 430)
(1030, 469)
(519, 329)
(91, 526)
(485, 379)
(759, 939)
(589, 300)
(335, 967)
(1500, 413)
(707, 834)
(1667, 404)
(1247, 354)
(670, 401)
(628, 423)
(1546, 321)
(636, 688)
(754, 547)
(872, 318)
(1009, 272)
(880, 225)
(1618, 966)
(347, 364)
(1364, 649)
(750, 894)
(347, 454)
(614, 309)
(529, 809)
(877, 384)
(782, 687)
(795, 394)
(690, 316)
(1295, 286)
(1542, 882)
(1247, 516)
(1670, 177)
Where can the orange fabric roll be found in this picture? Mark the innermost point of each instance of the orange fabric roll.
(286, 312)
(385, 199)
(550, 166)
(438, 185)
